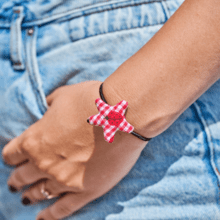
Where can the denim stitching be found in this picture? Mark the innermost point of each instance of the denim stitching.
(19, 31)
(16, 32)
(110, 32)
(209, 141)
(14, 35)
(164, 10)
(115, 31)
(98, 11)
(168, 9)
(11, 42)
(69, 13)
(33, 78)
(39, 97)
(210, 145)
(20, 57)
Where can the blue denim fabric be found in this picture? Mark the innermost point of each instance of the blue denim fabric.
(45, 44)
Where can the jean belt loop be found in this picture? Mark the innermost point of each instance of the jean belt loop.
(16, 46)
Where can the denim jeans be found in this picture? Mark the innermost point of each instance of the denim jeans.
(45, 44)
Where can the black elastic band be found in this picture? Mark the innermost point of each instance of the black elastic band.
(134, 133)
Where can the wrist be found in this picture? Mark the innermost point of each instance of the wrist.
(171, 71)
(112, 117)
(148, 122)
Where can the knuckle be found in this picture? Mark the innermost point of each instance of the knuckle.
(70, 184)
(61, 179)
(28, 143)
(57, 175)
(41, 166)
(77, 182)
(44, 165)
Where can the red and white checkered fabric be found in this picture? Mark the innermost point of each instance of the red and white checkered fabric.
(111, 118)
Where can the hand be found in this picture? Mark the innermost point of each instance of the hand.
(69, 155)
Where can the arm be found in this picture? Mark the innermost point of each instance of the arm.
(172, 70)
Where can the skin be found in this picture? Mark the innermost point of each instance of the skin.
(70, 154)
(62, 150)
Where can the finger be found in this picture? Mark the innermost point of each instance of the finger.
(65, 206)
(69, 174)
(26, 174)
(12, 153)
(34, 194)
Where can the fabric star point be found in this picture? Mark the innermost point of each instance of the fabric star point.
(111, 118)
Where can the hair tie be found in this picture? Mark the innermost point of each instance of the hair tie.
(112, 118)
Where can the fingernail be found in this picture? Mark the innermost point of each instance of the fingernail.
(26, 201)
(12, 189)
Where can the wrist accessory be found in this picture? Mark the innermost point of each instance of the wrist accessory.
(112, 118)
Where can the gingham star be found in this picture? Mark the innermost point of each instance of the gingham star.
(111, 118)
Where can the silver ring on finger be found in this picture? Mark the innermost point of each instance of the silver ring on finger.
(45, 193)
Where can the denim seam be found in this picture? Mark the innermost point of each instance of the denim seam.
(164, 7)
(17, 32)
(11, 37)
(117, 31)
(98, 11)
(39, 97)
(105, 3)
(33, 78)
(14, 34)
(69, 14)
(167, 6)
(209, 141)
(16, 41)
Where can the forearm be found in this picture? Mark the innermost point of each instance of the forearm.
(172, 70)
